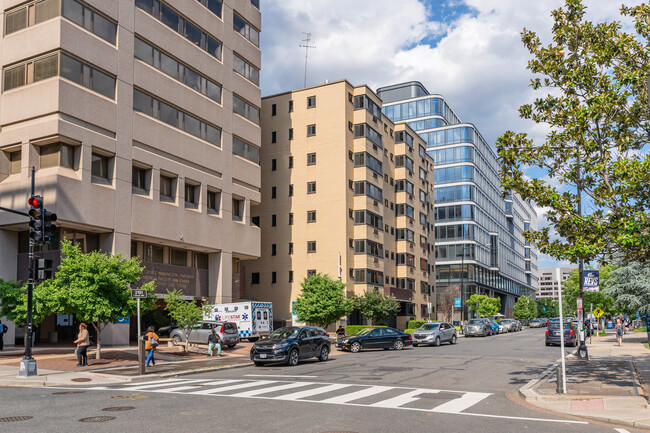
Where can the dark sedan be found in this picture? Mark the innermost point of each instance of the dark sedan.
(553, 334)
(375, 338)
(291, 344)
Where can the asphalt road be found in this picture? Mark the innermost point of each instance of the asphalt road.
(469, 387)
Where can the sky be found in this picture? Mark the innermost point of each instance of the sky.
(468, 51)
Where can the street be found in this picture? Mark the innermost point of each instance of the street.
(469, 387)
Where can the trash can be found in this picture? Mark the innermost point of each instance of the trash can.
(610, 325)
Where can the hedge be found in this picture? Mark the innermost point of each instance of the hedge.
(415, 324)
(410, 330)
(353, 329)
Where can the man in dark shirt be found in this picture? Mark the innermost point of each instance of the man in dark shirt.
(213, 341)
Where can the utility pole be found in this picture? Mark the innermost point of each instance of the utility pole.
(583, 353)
(306, 46)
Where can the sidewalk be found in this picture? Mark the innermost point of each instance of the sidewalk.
(57, 366)
(611, 387)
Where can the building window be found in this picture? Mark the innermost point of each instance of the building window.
(273, 277)
(311, 272)
(237, 209)
(311, 216)
(274, 191)
(290, 247)
(274, 137)
(291, 276)
(177, 257)
(311, 158)
(99, 166)
(311, 246)
(14, 161)
(290, 106)
(57, 154)
(246, 70)
(311, 187)
(139, 178)
(274, 220)
(274, 164)
(291, 218)
(242, 27)
(311, 101)
(291, 162)
(255, 221)
(191, 194)
(245, 150)
(214, 199)
(311, 130)
(166, 187)
(274, 109)
(290, 133)
(255, 278)
(274, 249)
(182, 26)
(153, 253)
(291, 190)
(214, 6)
(245, 109)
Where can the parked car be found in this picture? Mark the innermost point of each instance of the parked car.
(478, 327)
(510, 323)
(226, 331)
(291, 344)
(536, 323)
(553, 334)
(494, 327)
(434, 333)
(520, 325)
(503, 328)
(167, 329)
(375, 338)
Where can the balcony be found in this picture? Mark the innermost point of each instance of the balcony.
(399, 294)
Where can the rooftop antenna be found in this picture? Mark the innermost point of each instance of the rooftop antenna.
(306, 46)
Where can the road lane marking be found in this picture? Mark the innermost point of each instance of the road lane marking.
(176, 389)
(463, 402)
(401, 400)
(312, 392)
(345, 398)
(279, 375)
(232, 387)
(621, 430)
(174, 382)
(271, 389)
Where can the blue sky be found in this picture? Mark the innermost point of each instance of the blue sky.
(469, 51)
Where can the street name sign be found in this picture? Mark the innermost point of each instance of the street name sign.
(138, 293)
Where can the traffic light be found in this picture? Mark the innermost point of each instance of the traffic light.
(36, 218)
(43, 269)
(48, 229)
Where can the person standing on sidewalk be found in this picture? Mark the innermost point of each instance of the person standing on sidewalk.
(619, 331)
(82, 342)
(150, 344)
(213, 341)
(3, 331)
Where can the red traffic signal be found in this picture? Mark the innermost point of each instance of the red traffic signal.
(35, 201)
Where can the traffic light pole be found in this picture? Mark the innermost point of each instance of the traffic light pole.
(28, 364)
(583, 353)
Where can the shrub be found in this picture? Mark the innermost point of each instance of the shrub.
(639, 330)
(411, 330)
(353, 329)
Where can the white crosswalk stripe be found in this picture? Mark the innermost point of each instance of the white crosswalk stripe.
(392, 397)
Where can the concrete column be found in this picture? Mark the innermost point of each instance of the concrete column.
(220, 278)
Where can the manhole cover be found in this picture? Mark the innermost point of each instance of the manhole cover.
(370, 378)
(15, 418)
(97, 419)
(81, 379)
(68, 392)
(118, 408)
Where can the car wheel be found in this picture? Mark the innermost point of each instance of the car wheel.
(453, 339)
(324, 353)
(437, 342)
(176, 340)
(398, 345)
(253, 339)
(548, 344)
(230, 346)
(355, 347)
(258, 364)
(293, 358)
(415, 345)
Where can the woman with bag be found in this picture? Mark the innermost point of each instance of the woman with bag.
(150, 343)
(82, 342)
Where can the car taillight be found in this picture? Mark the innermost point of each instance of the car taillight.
(547, 332)
(571, 332)
(221, 330)
(410, 338)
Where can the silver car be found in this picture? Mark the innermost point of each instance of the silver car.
(478, 327)
(509, 324)
(434, 333)
(226, 331)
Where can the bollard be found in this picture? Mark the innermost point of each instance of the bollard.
(558, 386)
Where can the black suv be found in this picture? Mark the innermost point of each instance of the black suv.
(292, 344)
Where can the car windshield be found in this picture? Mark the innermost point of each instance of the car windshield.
(556, 325)
(365, 331)
(283, 333)
(475, 322)
(429, 326)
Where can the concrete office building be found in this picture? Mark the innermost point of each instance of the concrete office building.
(551, 279)
(478, 232)
(339, 179)
(142, 120)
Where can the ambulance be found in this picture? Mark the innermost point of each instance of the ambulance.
(253, 319)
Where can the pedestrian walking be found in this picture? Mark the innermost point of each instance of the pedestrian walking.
(151, 341)
(619, 331)
(214, 341)
(3, 331)
(82, 342)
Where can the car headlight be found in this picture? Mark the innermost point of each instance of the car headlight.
(429, 337)
(280, 346)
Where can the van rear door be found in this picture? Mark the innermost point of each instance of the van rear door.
(262, 317)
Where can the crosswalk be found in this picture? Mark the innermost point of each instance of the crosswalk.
(391, 397)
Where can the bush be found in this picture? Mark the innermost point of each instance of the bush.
(417, 323)
(639, 330)
(353, 329)
(411, 330)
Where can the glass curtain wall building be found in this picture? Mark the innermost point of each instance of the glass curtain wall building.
(478, 231)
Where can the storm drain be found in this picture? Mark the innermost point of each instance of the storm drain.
(118, 408)
(97, 419)
(15, 418)
(68, 392)
(81, 379)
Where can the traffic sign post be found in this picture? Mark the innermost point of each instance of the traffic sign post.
(139, 294)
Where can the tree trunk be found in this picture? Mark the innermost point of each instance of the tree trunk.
(98, 329)
(187, 341)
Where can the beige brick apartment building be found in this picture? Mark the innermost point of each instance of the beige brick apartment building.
(142, 120)
(341, 180)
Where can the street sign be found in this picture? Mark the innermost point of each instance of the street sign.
(457, 302)
(590, 281)
(579, 300)
(138, 293)
(598, 312)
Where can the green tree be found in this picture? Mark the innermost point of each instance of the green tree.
(629, 286)
(547, 307)
(322, 301)
(571, 292)
(595, 107)
(474, 302)
(13, 302)
(186, 313)
(483, 305)
(377, 307)
(95, 288)
(525, 308)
